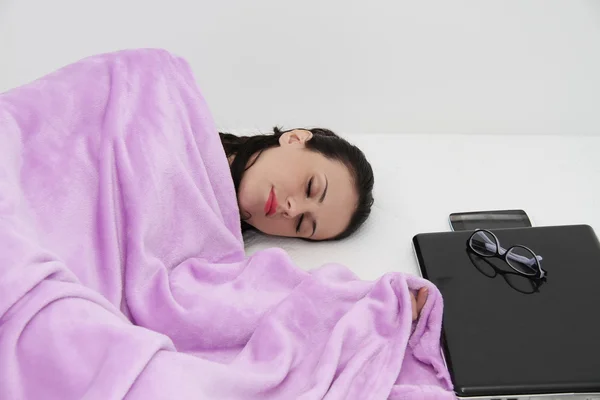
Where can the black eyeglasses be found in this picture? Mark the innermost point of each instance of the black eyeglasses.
(520, 258)
(519, 282)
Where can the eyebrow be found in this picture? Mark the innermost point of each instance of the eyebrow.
(320, 201)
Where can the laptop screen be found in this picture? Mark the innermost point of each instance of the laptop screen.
(505, 334)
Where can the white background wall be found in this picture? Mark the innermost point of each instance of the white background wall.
(387, 66)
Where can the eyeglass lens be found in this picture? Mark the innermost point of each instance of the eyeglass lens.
(522, 260)
(483, 243)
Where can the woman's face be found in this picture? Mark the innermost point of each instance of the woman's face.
(292, 191)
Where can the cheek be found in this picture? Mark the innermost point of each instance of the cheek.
(275, 227)
(243, 192)
(284, 170)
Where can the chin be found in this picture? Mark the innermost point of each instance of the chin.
(254, 221)
(259, 225)
(245, 208)
(253, 216)
(247, 199)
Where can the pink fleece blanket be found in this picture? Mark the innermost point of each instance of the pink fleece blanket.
(122, 267)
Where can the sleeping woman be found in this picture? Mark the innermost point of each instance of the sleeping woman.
(123, 272)
(306, 183)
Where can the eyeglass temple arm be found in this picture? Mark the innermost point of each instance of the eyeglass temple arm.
(491, 246)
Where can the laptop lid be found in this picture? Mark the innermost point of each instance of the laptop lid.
(503, 336)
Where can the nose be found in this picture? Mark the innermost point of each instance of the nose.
(293, 207)
(290, 208)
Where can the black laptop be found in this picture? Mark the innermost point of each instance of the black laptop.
(507, 336)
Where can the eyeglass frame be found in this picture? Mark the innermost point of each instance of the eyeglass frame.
(539, 273)
(535, 283)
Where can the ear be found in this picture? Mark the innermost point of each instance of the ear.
(297, 137)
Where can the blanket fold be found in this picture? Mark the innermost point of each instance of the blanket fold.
(122, 266)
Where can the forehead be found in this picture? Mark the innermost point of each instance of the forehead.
(340, 203)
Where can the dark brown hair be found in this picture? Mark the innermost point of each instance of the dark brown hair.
(323, 141)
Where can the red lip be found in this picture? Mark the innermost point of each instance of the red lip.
(271, 204)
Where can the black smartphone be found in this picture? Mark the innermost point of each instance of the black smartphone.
(468, 221)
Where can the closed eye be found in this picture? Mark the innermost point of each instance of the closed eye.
(308, 189)
(299, 223)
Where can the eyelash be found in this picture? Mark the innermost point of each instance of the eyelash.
(308, 190)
